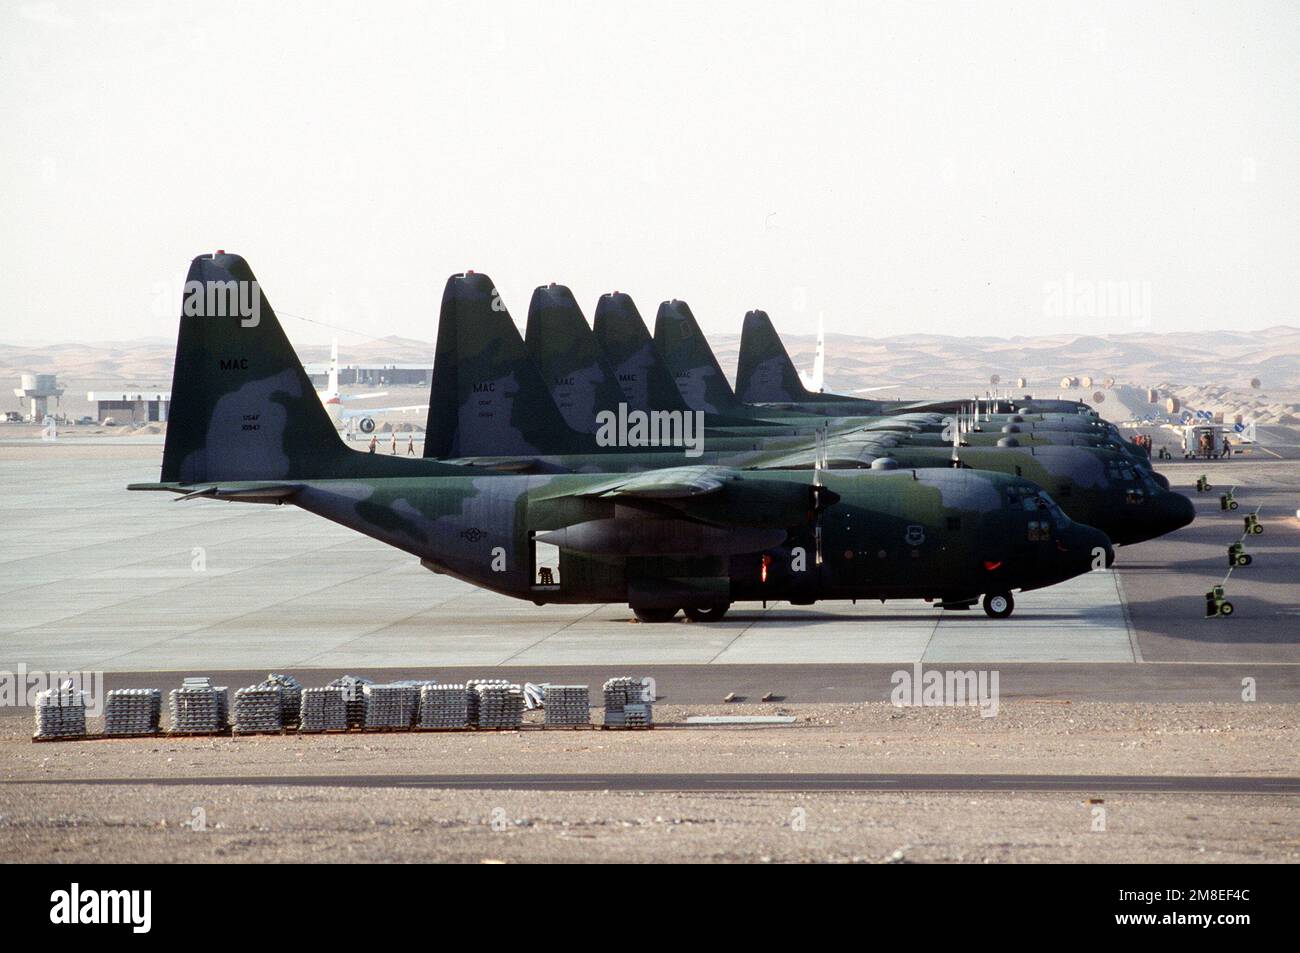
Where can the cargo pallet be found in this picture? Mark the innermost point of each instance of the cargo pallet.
(271, 732)
(242, 733)
(99, 736)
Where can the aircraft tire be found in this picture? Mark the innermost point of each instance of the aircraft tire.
(999, 605)
(654, 615)
(707, 613)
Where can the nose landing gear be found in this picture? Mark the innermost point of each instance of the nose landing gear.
(999, 605)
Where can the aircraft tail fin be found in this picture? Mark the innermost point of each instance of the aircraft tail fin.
(685, 350)
(487, 398)
(640, 372)
(562, 345)
(243, 408)
(765, 374)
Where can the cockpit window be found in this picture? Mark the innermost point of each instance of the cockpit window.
(1032, 500)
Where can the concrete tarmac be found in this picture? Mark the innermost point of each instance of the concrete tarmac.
(96, 578)
(802, 683)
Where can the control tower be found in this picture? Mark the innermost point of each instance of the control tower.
(39, 388)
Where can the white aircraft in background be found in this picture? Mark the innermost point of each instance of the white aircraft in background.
(363, 418)
(816, 381)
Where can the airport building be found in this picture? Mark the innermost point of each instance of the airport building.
(374, 375)
(130, 406)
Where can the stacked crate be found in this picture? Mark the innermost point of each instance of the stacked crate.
(323, 709)
(473, 685)
(132, 711)
(624, 707)
(61, 712)
(391, 706)
(444, 706)
(567, 705)
(354, 697)
(197, 707)
(259, 708)
(290, 697)
(500, 705)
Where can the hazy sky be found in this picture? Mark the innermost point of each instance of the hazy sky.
(948, 167)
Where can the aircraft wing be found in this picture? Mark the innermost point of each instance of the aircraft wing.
(843, 452)
(673, 483)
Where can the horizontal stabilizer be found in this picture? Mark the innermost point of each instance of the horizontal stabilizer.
(232, 492)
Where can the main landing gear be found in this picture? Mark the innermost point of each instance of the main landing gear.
(707, 613)
(654, 615)
(711, 613)
(999, 605)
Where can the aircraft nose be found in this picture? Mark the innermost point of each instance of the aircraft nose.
(1174, 511)
(1100, 541)
(1092, 542)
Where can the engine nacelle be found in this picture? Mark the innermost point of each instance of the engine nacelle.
(366, 424)
(660, 537)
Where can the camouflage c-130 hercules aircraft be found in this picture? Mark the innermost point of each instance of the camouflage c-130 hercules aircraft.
(246, 426)
(531, 404)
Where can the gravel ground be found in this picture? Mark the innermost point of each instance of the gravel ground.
(149, 822)
(1025, 738)
(335, 824)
